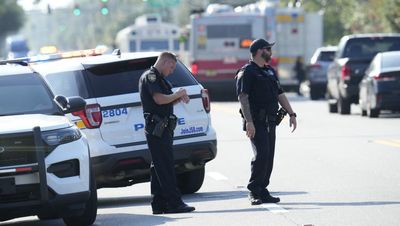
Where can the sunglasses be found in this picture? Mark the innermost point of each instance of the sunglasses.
(267, 48)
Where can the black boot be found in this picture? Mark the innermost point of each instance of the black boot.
(255, 199)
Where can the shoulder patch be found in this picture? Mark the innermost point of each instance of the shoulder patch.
(152, 77)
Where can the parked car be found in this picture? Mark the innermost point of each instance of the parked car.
(380, 86)
(317, 71)
(353, 56)
(44, 158)
(113, 119)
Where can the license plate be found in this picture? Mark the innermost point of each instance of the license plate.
(7, 186)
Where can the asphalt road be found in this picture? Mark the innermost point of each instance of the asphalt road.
(333, 170)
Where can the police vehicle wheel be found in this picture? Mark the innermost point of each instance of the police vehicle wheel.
(89, 215)
(332, 107)
(343, 106)
(313, 94)
(190, 182)
(363, 112)
(373, 113)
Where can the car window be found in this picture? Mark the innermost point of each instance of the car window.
(70, 83)
(326, 56)
(368, 47)
(23, 94)
(181, 76)
(122, 77)
(391, 61)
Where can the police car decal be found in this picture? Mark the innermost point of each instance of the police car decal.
(114, 112)
(191, 130)
(180, 122)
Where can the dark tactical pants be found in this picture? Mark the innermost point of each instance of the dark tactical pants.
(263, 145)
(163, 179)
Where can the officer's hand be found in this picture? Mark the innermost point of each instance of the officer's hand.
(181, 92)
(185, 99)
(183, 95)
(293, 122)
(250, 130)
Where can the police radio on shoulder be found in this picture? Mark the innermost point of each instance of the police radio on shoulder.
(293, 115)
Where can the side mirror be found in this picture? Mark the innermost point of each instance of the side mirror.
(70, 104)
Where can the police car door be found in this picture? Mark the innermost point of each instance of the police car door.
(193, 118)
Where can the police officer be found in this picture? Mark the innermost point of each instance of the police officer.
(157, 101)
(259, 92)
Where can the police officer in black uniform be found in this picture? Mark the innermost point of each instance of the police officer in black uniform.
(157, 100)
(260, 94)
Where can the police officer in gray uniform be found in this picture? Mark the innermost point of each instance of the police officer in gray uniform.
(157, 101)
(259, 94)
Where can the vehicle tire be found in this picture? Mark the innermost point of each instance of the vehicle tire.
(190, 182)
(363, 112)
(313, 94)
(89, 215)
(373, 113)
(343, 106)
(332, 107)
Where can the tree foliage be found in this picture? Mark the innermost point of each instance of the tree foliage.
(343, 17)
(11, 17)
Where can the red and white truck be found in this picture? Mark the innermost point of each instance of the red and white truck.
(220, 39)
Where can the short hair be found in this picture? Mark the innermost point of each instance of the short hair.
(167, 55)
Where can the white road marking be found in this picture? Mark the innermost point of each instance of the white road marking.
(394, 143)
(217, 176)
(274, 208)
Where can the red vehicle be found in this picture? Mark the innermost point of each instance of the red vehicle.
(220, 46)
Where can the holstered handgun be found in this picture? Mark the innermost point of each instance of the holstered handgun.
(155, 125)
(160, 125)
(172, 121)
(280, 115)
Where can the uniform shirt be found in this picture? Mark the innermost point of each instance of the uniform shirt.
(151, 81)
(262, 86)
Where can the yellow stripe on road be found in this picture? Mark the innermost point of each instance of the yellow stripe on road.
(394, 143)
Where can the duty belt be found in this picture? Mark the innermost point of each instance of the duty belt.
(262, 116)
(160, 123)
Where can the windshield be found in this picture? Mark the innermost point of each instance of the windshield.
(327, 56)
(25, 94)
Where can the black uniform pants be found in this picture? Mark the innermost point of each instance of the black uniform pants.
(163, 178)
(263, 145)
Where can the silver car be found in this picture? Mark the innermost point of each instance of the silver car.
(317, 70)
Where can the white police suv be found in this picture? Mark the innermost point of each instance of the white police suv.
(44, 158)
(113, 119)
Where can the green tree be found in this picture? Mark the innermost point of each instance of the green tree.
(11, 19)
(343, 17)
(391, 11)
(334, 14)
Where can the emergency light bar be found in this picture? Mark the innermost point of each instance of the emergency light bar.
(56, 56)
(23, 61)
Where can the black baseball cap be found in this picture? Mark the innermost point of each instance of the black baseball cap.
(258, 44)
